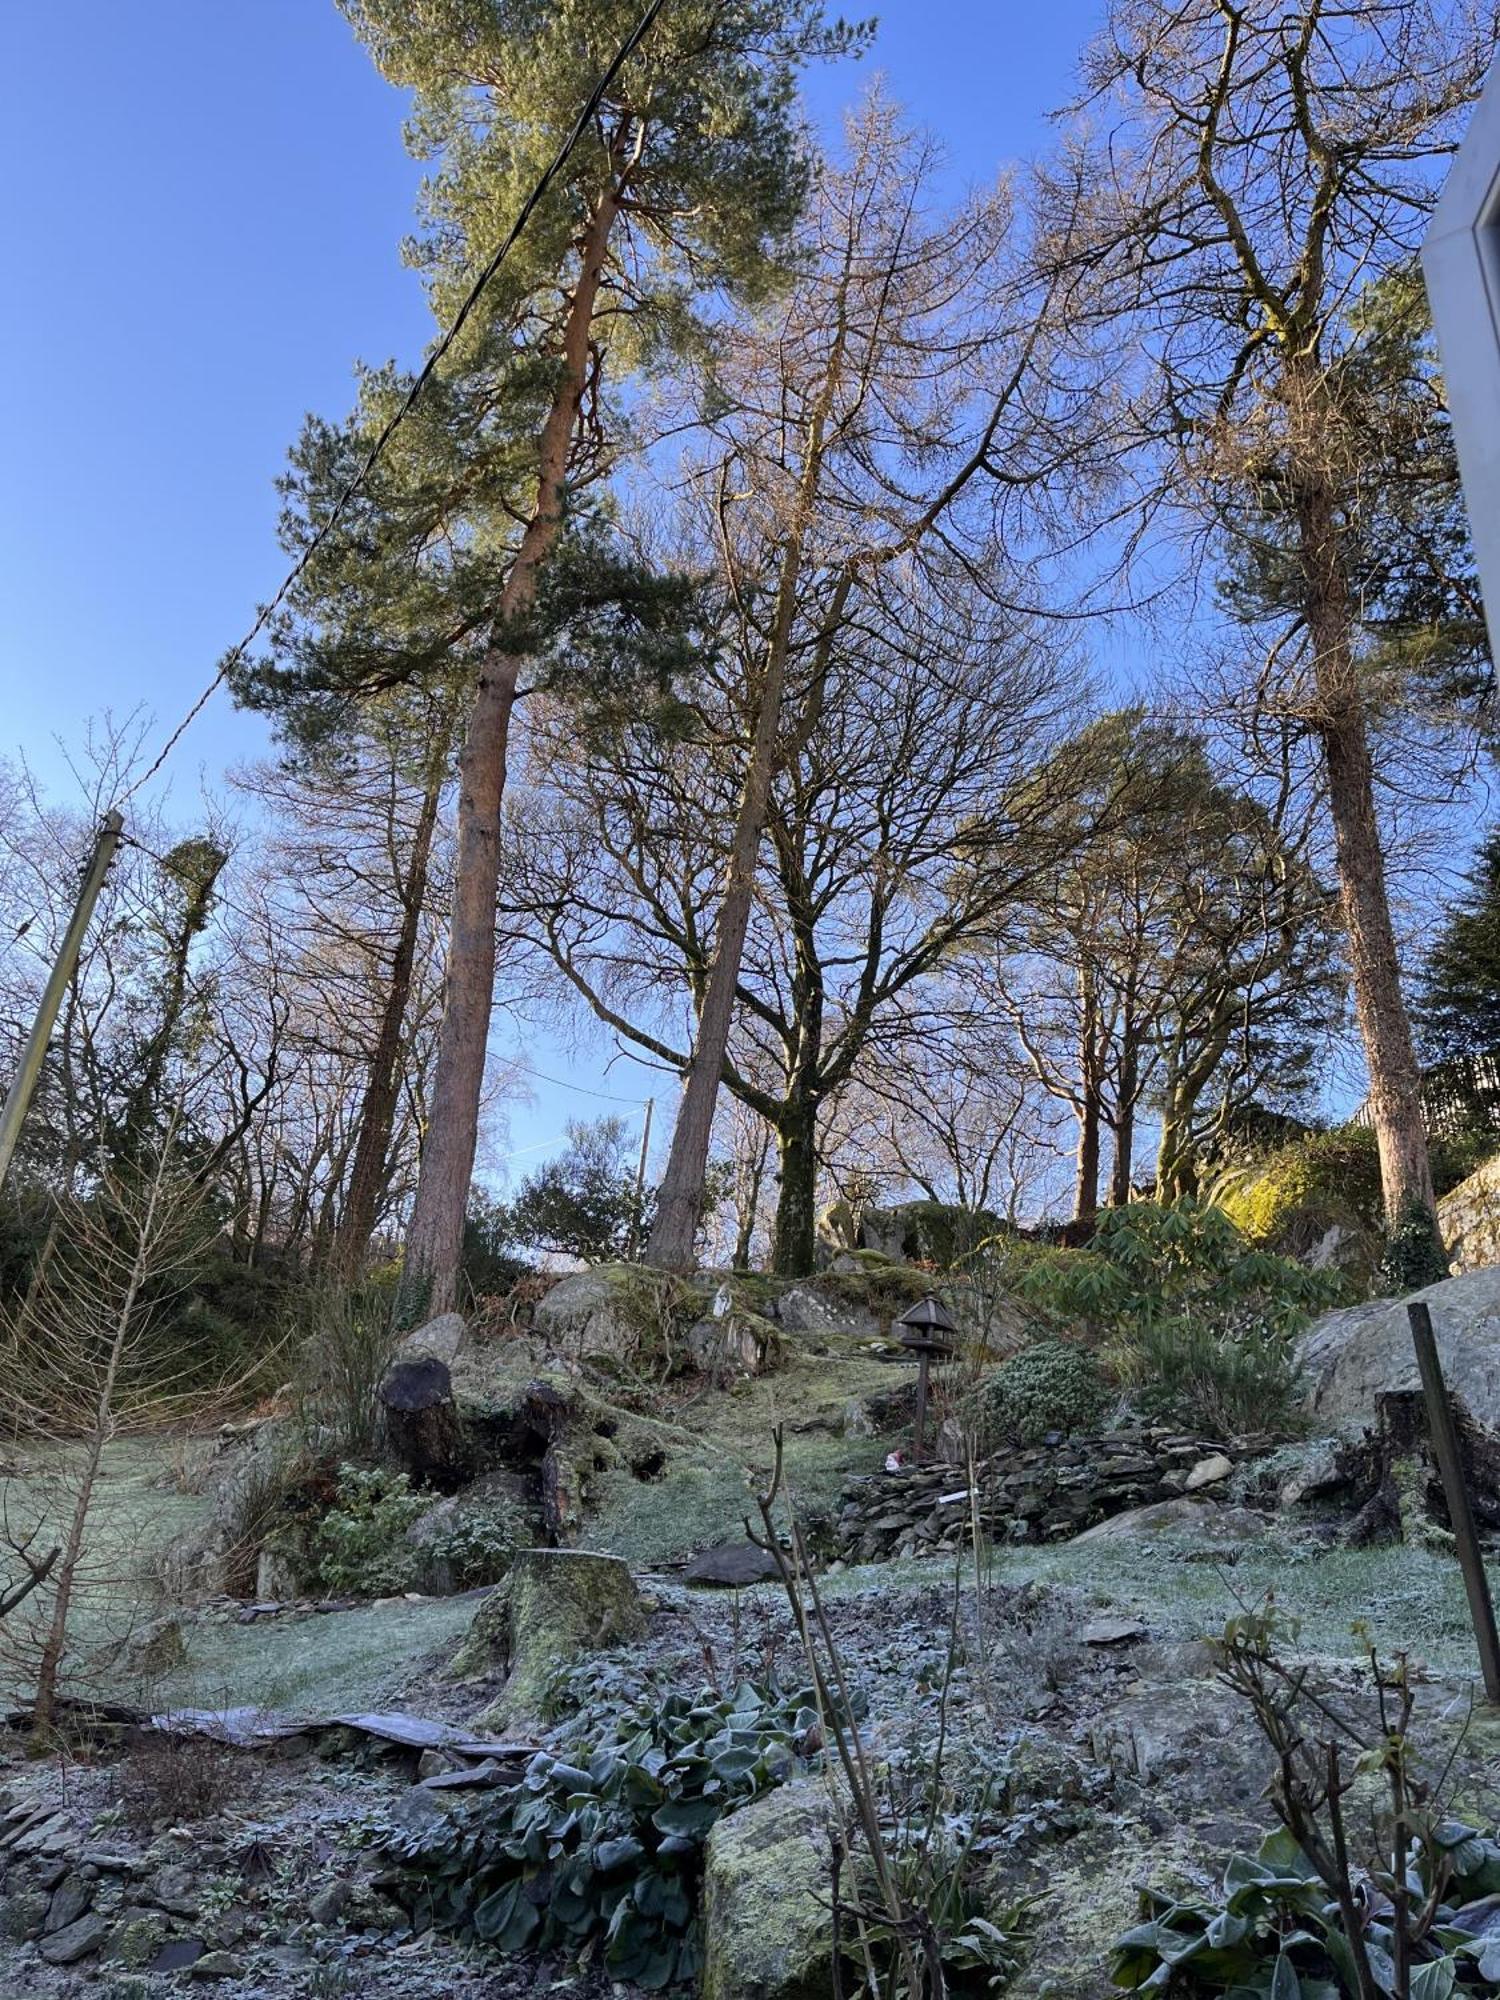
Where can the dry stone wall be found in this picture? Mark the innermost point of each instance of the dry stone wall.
(1044, 1493)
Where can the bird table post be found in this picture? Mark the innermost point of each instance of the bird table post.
(1460, 1514)
(924, 1330)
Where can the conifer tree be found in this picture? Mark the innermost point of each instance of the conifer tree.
(686, 183)
(1459, 1003)
(1246, 173)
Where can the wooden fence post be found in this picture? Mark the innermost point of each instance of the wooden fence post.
(1450, 1464)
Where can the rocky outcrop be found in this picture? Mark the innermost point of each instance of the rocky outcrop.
(939, 1233)
(588, 1314)
(732, 1342)
(1351, 1357)
(1469, 1217)
(1048, 1493)
(1205, 1519)
(766, 1883)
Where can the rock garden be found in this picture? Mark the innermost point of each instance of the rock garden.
(639, 1642)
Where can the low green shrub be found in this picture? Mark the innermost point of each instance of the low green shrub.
(1152, 1261)
(1190, 1316)
(1275, 1932)
(358, 1545)
(1052, 1385)
(477, 1548)
(601, 1843)
(1220, 1381)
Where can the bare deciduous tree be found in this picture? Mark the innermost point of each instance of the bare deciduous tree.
(1242, 172)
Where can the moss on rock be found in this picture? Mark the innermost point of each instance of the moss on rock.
(767, 1877)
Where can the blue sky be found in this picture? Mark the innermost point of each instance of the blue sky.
(202, 211)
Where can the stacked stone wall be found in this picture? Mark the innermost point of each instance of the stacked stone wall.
(1043, 1493)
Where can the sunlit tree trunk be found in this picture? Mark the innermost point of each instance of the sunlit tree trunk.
(434, 1238)
(1340, 721)
(377, 1112)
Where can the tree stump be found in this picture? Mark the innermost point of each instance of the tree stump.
(423, 1431)
(551, 1415)
(555, 1606)
(1395, 1468)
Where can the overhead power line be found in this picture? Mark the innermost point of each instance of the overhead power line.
(429, 368)
(583, 1089)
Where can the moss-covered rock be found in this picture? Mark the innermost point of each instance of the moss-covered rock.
(136, 1939)
(936, 1233)
(555, 1605)
(1289, 1199)
(1469, 1217)
(621, 1315)
(767, 1877)
(734, 1342)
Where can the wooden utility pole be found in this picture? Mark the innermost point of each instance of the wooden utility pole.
(640, 1185)
(1460, 1514)
(23, 1084)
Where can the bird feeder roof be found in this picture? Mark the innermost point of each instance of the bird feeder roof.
(926, 1327)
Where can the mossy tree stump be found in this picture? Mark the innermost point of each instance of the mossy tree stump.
(555, 1606)
(1396, 1471)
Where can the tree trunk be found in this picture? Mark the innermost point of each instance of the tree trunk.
(1086, 1186)
(377, 1111)
(1086, 1191)
(796, 1205)
(1124, 1129)
(434, 1240)
(1395, 1094)
(1395, 1101)
(749, 1203)
(1120, 1167)
(679, 1199)
(1176, 1171)
(54, 1645)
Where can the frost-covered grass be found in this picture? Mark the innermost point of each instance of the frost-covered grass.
(138, 1505)
(718, 1450)
(331, 1663)
(1407, 1599)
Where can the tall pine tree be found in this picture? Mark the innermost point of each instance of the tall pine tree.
(1458, 1007)
(679, 196)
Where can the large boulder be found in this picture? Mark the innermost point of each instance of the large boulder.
(733, 1342)
(618, 1313)
(586, 1314)
(767, 1933)
(939, 1233)
(1204, 1519)
(1469, 1217)
(437, 1339)
(1350, 1357)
